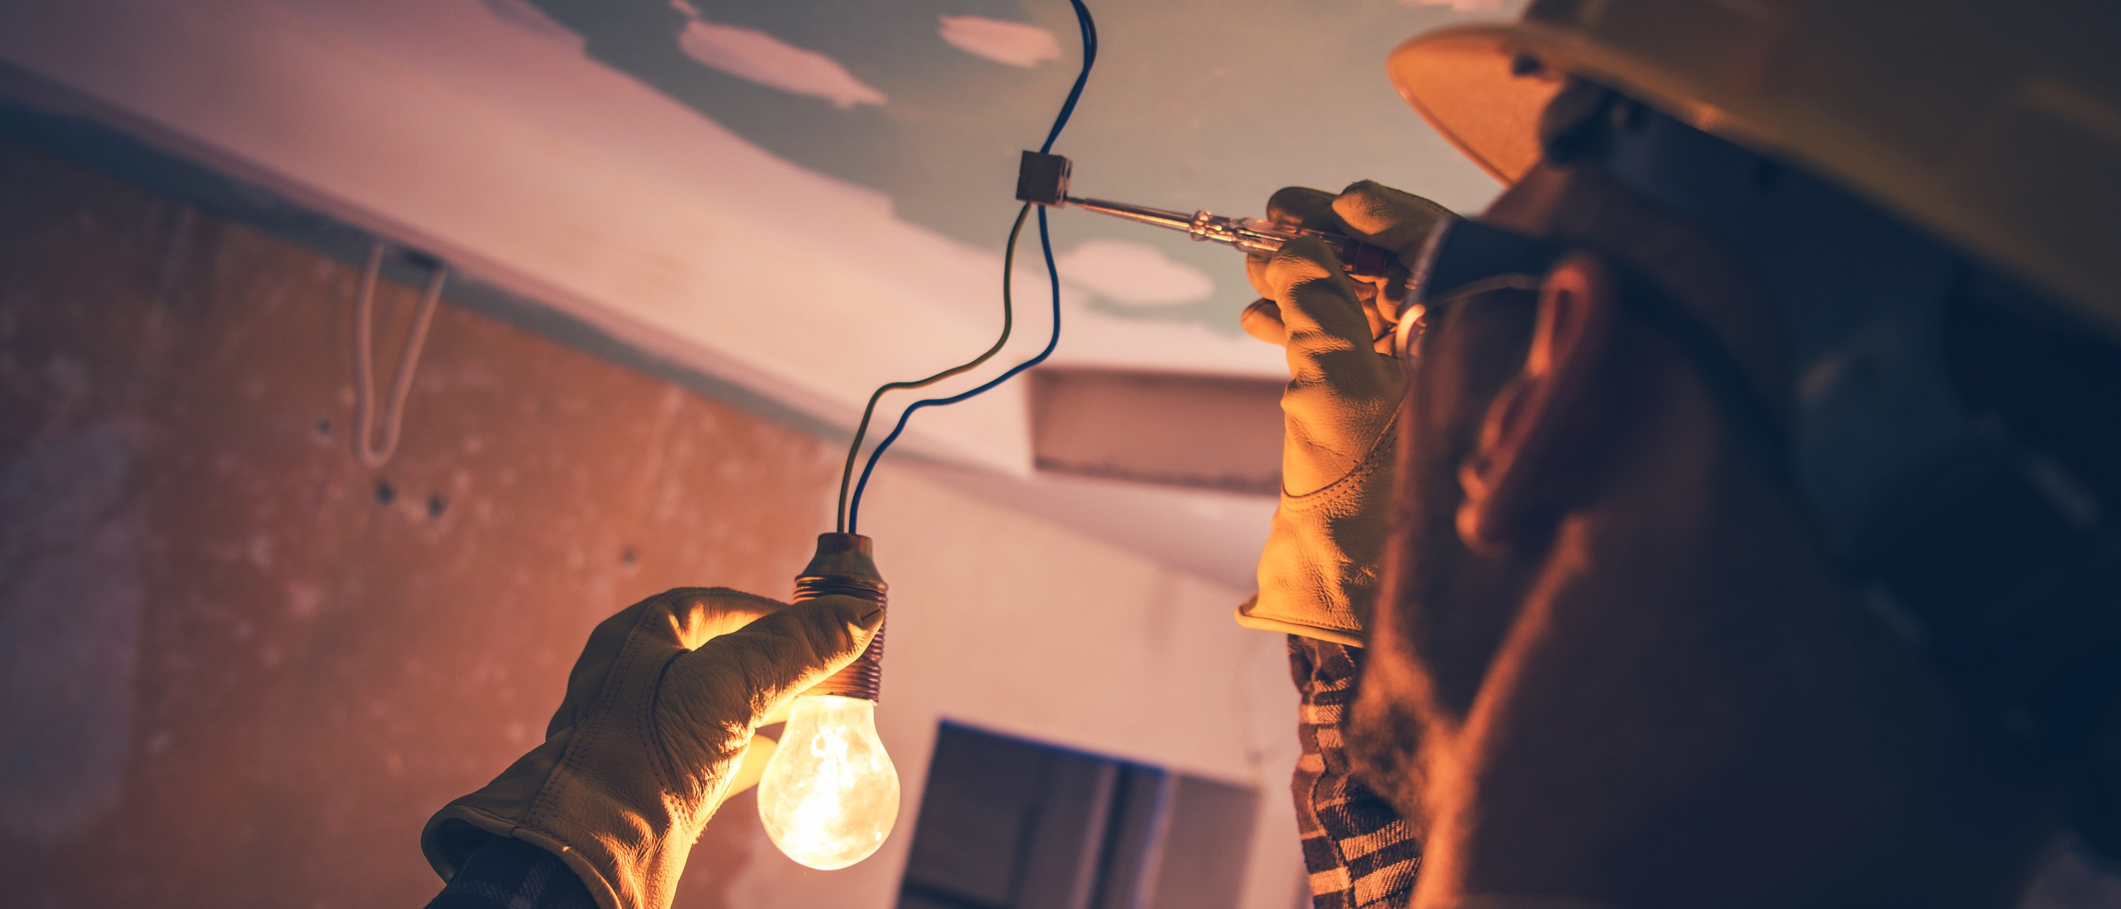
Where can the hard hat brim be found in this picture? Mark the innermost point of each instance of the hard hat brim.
(1483, 87)
(2020, 172)
(1460, 81)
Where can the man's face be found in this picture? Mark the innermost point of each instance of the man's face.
(1658, 694)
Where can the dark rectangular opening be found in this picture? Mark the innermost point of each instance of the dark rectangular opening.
(1009, 823)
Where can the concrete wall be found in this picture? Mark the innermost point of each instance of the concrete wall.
(241, 669)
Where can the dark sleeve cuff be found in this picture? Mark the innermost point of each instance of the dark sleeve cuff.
(512, 874)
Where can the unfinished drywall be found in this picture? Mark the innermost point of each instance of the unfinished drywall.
(240, 668)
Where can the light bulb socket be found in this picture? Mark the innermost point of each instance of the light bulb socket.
(845, 566)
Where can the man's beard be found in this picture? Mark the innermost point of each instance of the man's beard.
(1383, 729)
(1442, 610)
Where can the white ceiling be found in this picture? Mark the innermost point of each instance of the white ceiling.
(802, 199)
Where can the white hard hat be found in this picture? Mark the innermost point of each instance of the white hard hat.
(1995, 125)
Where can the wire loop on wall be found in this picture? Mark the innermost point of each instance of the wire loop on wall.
(375, 452)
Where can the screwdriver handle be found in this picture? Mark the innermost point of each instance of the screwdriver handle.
(1357, 258)
(1260, 237)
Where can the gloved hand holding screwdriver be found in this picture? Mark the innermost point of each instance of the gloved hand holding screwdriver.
(1318, 572)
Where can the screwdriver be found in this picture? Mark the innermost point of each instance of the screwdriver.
(1042, 179)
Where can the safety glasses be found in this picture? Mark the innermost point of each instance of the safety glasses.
(1465, 259)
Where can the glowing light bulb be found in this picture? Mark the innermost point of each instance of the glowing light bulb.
(830, 794)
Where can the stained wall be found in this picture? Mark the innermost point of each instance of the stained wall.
(238, 667)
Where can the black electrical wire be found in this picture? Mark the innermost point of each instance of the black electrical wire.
(850, 508)
(1008, 322)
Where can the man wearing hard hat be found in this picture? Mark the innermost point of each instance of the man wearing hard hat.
(1728, 518)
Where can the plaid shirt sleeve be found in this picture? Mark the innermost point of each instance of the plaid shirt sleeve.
(1359, 854)
(512, 874)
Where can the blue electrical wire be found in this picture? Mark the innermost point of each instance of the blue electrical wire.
(1045, 243)
(1089, 30)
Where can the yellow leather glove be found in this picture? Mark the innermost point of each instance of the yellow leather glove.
(658, 716)
(1318, 572)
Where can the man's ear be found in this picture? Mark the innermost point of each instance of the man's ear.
(1531, 439)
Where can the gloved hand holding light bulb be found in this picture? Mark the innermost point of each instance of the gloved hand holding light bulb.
(658, 717)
